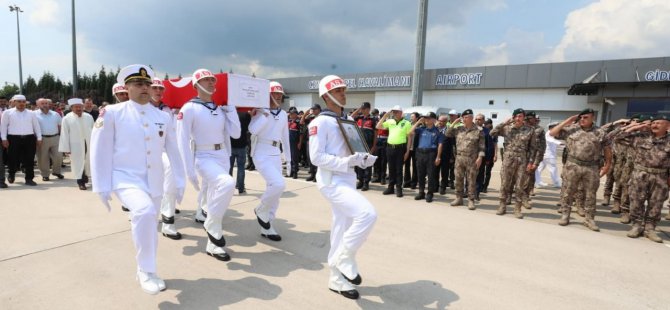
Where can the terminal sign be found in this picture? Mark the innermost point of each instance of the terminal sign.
(657, 75)
(459, 79)
(384, 81)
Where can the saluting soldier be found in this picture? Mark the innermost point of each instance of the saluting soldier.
(428, 154)
(210, 128)
(470, 146)
(535, 156)
(519, 141)
(586, 143)
(132, 167)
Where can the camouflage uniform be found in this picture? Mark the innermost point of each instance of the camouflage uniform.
(586, 147)
(470, 144)
(649, 180)
(622, 172)
(518, 143)
(536, 156)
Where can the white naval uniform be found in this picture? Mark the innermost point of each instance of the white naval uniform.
(353, 215)
(268, 131)
(170, 184)
(127, 144)
(207, 128)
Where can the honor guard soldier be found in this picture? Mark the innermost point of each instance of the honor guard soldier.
(470, 147)
(586, 143)
(651, 174)
(120, 92)
(368, 125)
(21, 135)
(209, 127)
(132, 167)
(353, 215)
(295, 140)
(269, 130)
(519, 141)
(170, 183)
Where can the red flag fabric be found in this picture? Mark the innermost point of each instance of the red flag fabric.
(180, 91)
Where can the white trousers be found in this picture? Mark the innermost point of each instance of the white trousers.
(202, 197)
(549, 163)
(169, 201)
(270, 168)
(353, 216)
(143, 212)
(214, 172)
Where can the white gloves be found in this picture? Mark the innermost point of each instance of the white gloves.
(194, 181)
(368, 161)
(106, 197)
(356, 159)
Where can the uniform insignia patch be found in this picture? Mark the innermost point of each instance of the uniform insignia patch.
(99, 123)
(312, 131)
(180, 116)
(102, 113)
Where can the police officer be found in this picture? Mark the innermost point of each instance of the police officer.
(586, 143)
(295, 140)
(379, 150)
(650, 177)
(397, 150)
(210, 127)
(304, 122)
(519, 140)
(470, 146)
(353, 215)
(269, 130)
(132, 167)
(368, 125)
(428, 154)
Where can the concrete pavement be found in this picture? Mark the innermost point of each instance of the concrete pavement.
(62, 250)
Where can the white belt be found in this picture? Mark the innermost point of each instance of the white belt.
(269, 142)
(209, 147)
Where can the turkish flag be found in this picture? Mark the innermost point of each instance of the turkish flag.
(180, 91)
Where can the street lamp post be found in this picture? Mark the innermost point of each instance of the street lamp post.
(417, 79)
(15, 8)
(74, 55)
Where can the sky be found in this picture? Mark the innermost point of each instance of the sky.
(292, 38)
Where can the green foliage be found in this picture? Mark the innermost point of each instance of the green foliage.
(97, 86)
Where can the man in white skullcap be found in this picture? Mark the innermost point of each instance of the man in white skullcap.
(132, 167)
(209, 127)
(21, 135)
(75, 140)
(353, 215)
(269, 130)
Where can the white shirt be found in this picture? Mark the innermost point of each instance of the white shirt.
(552, 144)
(271, 127)
(205, 127)
(19, 123)
(127, 144)
(328, 150)
(49, 122)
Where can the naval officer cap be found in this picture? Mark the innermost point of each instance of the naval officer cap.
(467, 112)
(74, 101)
(135, 73)
(586, 111)
(518, 111)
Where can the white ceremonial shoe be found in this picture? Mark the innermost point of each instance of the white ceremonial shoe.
(158, 280)
(217, 252)
(148, 284)
(339, 285)
(170, 231)
(346, 264)
(270, 234)
(200, 216)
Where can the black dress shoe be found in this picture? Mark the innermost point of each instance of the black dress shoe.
(45, 179)
(398, 193)
(420, 196)
(311, 178)
(82, 187)
(30, 183)
(366, 186)
(242, 191)
(359, 185)
(484, 190)
(443, 190)
(3, 185)
(429, 197)
(177, 211)
(10, 179)
(58, 175)
(389, 191)
(222, 257)
(272, 237)
(124, 209)
(382, 182)
(352, 294)
(355, 281)
(375, 180)
(176, 236)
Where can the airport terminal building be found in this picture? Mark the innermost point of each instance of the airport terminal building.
(613, 88)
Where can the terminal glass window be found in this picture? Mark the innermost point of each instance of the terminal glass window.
(648, 106)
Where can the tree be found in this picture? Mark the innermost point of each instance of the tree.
(9, 90)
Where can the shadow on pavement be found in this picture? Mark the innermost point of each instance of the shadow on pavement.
(422, 294)
(215, 293)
